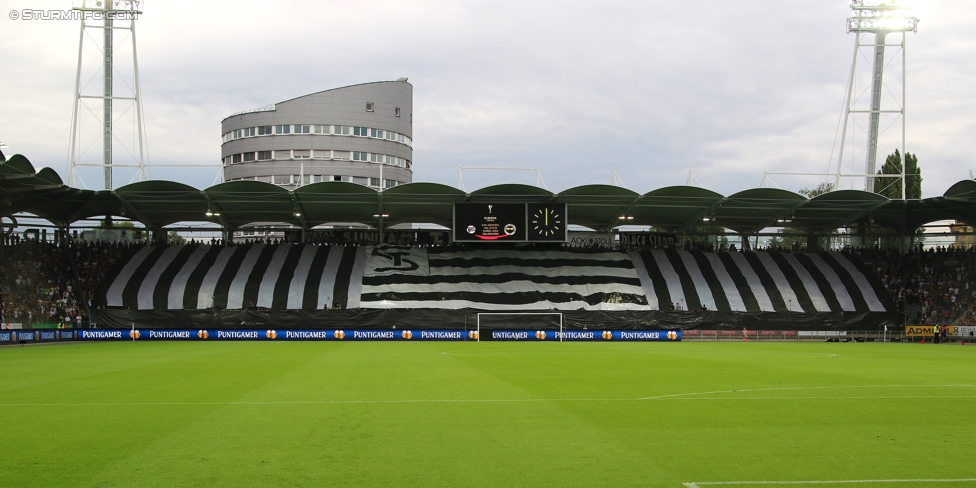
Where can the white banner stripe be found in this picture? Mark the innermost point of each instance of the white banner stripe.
(758, 290)
(846, 302)
(178, 288)
(647, 285)
(144, 299)
(113, 296)
(266, 289)
(296, 289)
(545, 305)
(209, 284)
(816, 296)
(789, 296)
(515, 286)
(327, 283)
(670, 278)
(701, 286)
(497, 254)
(731, 291)
(874, 304)
(356, 279)
(235, 295)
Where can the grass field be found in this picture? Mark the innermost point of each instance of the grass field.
(488, 414)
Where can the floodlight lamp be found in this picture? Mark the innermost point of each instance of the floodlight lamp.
(630, 217)
(623, 217)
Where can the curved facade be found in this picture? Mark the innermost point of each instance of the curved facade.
(361, 134)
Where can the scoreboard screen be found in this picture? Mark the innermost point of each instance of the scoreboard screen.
(503, 222)
(510, 222)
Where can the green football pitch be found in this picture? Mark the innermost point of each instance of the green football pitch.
(487, 414)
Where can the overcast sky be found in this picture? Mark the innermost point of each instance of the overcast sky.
(652, 88)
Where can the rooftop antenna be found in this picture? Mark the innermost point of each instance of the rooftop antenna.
(108, 11)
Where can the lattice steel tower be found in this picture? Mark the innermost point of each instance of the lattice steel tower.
(880, 18)
(114, 15)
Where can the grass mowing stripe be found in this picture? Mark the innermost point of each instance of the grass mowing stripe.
(830, 482)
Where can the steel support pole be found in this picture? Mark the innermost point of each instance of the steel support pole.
(107, 103)
(870, 166)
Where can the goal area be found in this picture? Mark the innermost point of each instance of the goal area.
(520, 321)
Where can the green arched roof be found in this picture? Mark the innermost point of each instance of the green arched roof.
(676, 208)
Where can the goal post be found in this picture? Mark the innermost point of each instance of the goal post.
(559, 315)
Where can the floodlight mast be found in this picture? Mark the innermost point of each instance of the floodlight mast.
(878, 17)
(108, 11)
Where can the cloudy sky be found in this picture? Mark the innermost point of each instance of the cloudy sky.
(652, 88)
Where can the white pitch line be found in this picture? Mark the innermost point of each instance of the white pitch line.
(698, 484)
(660, 397)
(513, 400)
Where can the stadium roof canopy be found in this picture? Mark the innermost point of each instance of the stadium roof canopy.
(234, 204)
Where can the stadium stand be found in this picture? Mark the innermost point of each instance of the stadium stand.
(932, 286)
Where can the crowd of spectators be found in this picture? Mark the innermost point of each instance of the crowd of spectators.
(36, 285)
(934, 286)
(49, 283)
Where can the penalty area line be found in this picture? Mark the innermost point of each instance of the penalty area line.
(699, 484)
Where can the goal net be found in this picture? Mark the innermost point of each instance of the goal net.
(519, 321)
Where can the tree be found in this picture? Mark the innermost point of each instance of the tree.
(794, 240)
(819, 190)
(174, 238)
(890, 186)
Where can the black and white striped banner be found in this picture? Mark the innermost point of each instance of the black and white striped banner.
(488, 279)
(759, 282)
(307, 277)
(278, 277)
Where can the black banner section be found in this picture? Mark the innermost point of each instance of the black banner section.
(467, 319)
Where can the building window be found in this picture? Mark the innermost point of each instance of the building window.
(248, 156)
(264, 155)
(336, 178)
(396, 111)
(250, 131)
(378, 133)
(400, 138)
(369, 106)
(391, 183)
(342, 130)
(303, 129)
(374, 182)
(360, 131)
(237, 134)
(282, 129)
(360, 180)
(319, 178)
(360, 156)
(282, 179)
(264, 130)
(301, 154)
(237, 158)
